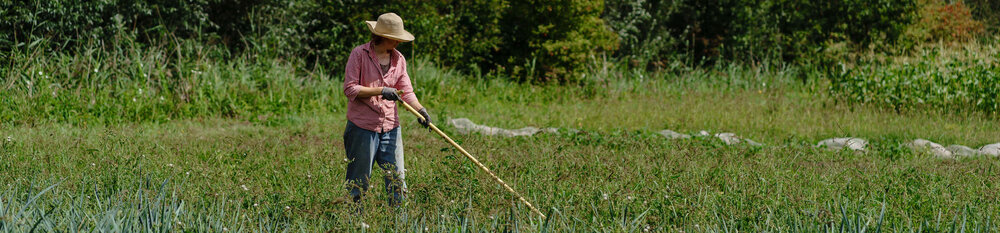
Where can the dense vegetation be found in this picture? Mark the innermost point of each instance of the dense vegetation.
(225, 115)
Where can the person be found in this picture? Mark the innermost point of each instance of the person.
(374, 76)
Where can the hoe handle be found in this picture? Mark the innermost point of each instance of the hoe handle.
(474, 160)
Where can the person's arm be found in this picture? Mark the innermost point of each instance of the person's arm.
(352, 77)
(407, 88)
(365, 92)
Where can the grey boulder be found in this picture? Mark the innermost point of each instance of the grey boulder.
(854, 144)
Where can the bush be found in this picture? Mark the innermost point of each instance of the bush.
(460, 34)
(68, 24)
(752, 30)
(533, 41)
(944, 21)
(552, 40)
(986, 11)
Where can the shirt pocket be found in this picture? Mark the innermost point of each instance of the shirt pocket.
(392, 78)
(371, 78)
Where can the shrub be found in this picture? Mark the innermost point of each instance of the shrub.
(459, 34)
(552, 40)
(944, 21)
(753, 30)
(986, 11)
(533, 41)
(68, 24)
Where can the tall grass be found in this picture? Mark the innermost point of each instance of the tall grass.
(229, 176)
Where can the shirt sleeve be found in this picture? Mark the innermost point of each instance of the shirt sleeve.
(406, 86)
(352, 76)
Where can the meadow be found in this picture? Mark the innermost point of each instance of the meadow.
(254, 145)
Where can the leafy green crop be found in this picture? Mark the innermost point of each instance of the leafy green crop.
(931, 82)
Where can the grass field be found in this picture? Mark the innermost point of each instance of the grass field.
(285, 171)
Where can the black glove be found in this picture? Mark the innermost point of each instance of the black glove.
(427, 118)
(390, 93)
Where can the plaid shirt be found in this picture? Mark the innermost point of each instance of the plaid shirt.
(374, 113)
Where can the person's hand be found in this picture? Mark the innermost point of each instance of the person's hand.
(390, 93)
(427, 118)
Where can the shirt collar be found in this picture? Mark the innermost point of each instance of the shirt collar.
(370, 48)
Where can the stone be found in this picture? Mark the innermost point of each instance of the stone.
(466, 126)
(935, 149)
(670, 134)
(991, 149)
(728, 138)
(732, 139)
(550, 130)
(962, 151)
(855, 144)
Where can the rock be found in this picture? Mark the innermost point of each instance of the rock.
(752, 143)
(991, 149)
(855, 144)
(466, 126)
(670, 134)
(526, 131)
(962, 151)
(732, 139)
(928, 146)
(728, 138)
(703, 133)
(550, 130)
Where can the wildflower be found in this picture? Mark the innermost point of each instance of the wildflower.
(9, 138)
(39, 73)
(145, 76)
(604, 196)
(309, 176)
(254, 204)
(629, 197)
(244, 187)
(364, 225)
(140, 91)
(161, 98)
(491, 217)
(346, 160)
(133, 99)
(95, 70)
(288, 207)
(53, 93)
(225, 229)
(92, 164)
(170, 165)
(187, 173)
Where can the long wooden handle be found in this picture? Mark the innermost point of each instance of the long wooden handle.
(474, 160)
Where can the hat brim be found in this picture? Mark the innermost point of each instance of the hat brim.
(403, 36)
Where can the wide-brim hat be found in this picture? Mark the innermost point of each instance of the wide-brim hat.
(390, 25)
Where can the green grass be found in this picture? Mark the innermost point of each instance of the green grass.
(192, 171)
(254, 144)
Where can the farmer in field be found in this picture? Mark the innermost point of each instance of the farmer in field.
(374, 77)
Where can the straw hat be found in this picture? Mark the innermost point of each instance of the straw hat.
(390, 25)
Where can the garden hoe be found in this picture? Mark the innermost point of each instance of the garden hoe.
(474, 160)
